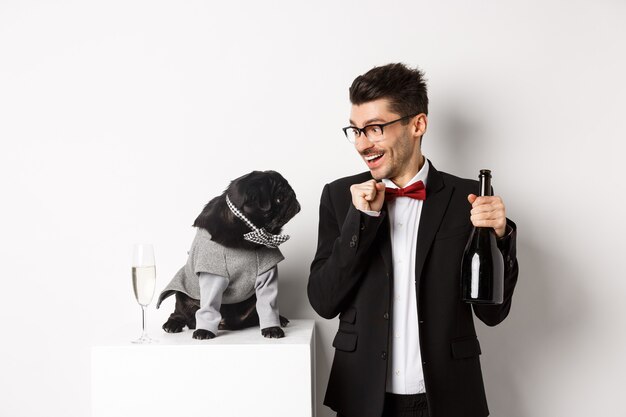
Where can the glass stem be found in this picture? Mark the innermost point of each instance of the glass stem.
(143, 321)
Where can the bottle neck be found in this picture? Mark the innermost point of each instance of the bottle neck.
(484, 187)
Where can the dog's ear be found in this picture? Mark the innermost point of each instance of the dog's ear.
(258, 196)
(239, 189)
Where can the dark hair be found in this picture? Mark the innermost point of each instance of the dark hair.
(404, 87)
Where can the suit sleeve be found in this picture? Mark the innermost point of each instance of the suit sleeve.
(341, 260)
(492, 315)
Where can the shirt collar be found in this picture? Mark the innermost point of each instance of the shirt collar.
(421, 175)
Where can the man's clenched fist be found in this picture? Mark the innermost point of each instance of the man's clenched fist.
(368, 196)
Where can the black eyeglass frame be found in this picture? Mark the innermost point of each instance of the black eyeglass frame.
(361, 130)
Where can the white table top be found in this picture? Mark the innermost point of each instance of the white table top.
(297, 332)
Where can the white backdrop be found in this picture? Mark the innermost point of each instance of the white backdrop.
(120, 119)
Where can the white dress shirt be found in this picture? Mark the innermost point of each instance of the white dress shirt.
(405, 374)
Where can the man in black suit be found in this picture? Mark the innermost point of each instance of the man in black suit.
(406, 343)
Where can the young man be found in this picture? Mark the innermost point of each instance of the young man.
(406, 344)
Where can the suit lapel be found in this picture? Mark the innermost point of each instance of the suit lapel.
(437, 199)
(384, 239)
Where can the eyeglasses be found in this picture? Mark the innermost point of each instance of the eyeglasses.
(374, 133)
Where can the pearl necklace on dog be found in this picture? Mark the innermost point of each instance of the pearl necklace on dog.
(258, 235)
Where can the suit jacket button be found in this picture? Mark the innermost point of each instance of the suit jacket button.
(383, 355)
(352, 244)
(386, 316)
(354, 238)
(362, 226)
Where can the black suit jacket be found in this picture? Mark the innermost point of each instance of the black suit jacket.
(352, 275)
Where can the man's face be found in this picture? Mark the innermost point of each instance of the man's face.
(397, 156)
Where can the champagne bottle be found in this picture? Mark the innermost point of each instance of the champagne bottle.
(482, 268)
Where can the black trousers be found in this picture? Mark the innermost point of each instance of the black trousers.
(397, 405)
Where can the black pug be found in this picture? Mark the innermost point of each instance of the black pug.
(231, 268)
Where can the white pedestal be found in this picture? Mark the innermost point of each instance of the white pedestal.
(239, 373)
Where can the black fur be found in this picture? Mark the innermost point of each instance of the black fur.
(255, 195)
(202, 334)
(268, 201)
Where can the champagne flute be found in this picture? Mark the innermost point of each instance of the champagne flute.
(144, 282)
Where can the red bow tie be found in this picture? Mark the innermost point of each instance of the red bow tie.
(415, 190)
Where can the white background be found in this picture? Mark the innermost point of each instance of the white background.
(120, 119)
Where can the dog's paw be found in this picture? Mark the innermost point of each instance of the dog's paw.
(173, 326)
(283, 321)
(273, 332)
(202, 334)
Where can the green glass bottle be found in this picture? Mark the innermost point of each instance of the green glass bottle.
(482, 268)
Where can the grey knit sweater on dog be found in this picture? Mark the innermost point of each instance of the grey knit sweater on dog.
(240, 266)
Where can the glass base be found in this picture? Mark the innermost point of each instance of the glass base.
(144, 340)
